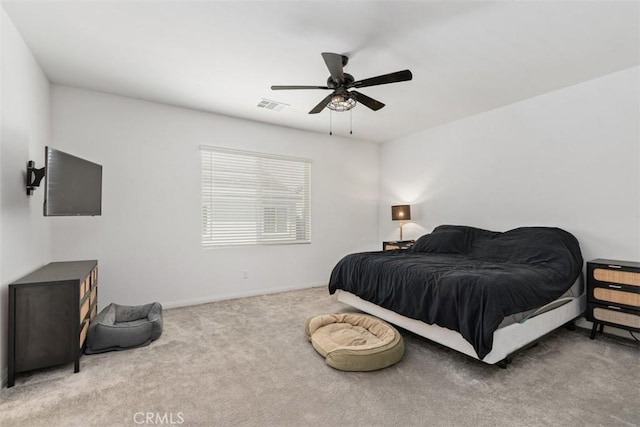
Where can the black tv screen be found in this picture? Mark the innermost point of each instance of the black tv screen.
(73, 186)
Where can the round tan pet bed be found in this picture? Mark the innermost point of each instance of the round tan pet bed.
(355, 342)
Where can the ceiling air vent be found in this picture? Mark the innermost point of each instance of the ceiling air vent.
(272, 105)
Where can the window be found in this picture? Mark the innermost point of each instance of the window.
(254, 198)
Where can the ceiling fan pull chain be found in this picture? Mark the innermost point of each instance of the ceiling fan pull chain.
(350, 122)
(330, 123)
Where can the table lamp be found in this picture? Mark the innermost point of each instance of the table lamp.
(401, 213)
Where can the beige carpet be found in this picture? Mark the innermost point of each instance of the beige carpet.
(246, 362)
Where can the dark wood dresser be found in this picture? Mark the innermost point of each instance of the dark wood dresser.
(49, 314)
(613, 294)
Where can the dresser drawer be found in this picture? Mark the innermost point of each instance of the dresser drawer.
(84, 309)
(617, 296)
(84, 287)
(615, 316)
(94, 295)
(609, 275)
(83, 333)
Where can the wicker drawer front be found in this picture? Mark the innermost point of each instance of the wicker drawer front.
(613, 276)
(84, 287)
(620, 297)
(617, 317)
(94, 295)
(83, 333)
(84, 310)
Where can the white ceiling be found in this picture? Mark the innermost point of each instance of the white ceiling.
(223, 56)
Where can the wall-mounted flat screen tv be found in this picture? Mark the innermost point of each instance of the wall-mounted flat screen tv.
(73, 186)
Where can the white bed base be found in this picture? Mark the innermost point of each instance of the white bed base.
(506, 340)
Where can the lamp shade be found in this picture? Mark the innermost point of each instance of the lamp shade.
(401, 213)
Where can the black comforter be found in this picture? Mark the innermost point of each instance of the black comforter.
(464, 278)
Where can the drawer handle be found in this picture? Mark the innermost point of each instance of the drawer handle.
(615, 286)
(614, 266)
(614, 308)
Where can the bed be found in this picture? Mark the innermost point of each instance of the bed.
(486, 294)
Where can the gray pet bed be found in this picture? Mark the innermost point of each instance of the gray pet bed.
(120, 327)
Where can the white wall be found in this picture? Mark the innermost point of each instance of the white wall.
(25, 236)
(147, 240)
(569, 158)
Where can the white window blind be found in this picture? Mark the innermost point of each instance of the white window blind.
(254, 198)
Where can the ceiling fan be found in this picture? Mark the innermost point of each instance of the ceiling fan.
(343, 99)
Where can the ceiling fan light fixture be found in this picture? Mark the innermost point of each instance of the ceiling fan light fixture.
(341, 102)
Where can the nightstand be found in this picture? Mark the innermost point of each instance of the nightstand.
(397, 244)
(613, 290)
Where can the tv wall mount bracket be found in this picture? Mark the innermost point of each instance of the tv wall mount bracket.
(34, 177)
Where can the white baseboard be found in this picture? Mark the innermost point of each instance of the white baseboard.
(234, 295)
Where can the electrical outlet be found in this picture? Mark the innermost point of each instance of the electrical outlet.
(245, 274)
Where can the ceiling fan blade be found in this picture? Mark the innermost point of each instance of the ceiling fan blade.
(335, 64)
(297, 87)
(321, 105)
(398, 76)
(367, 101)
